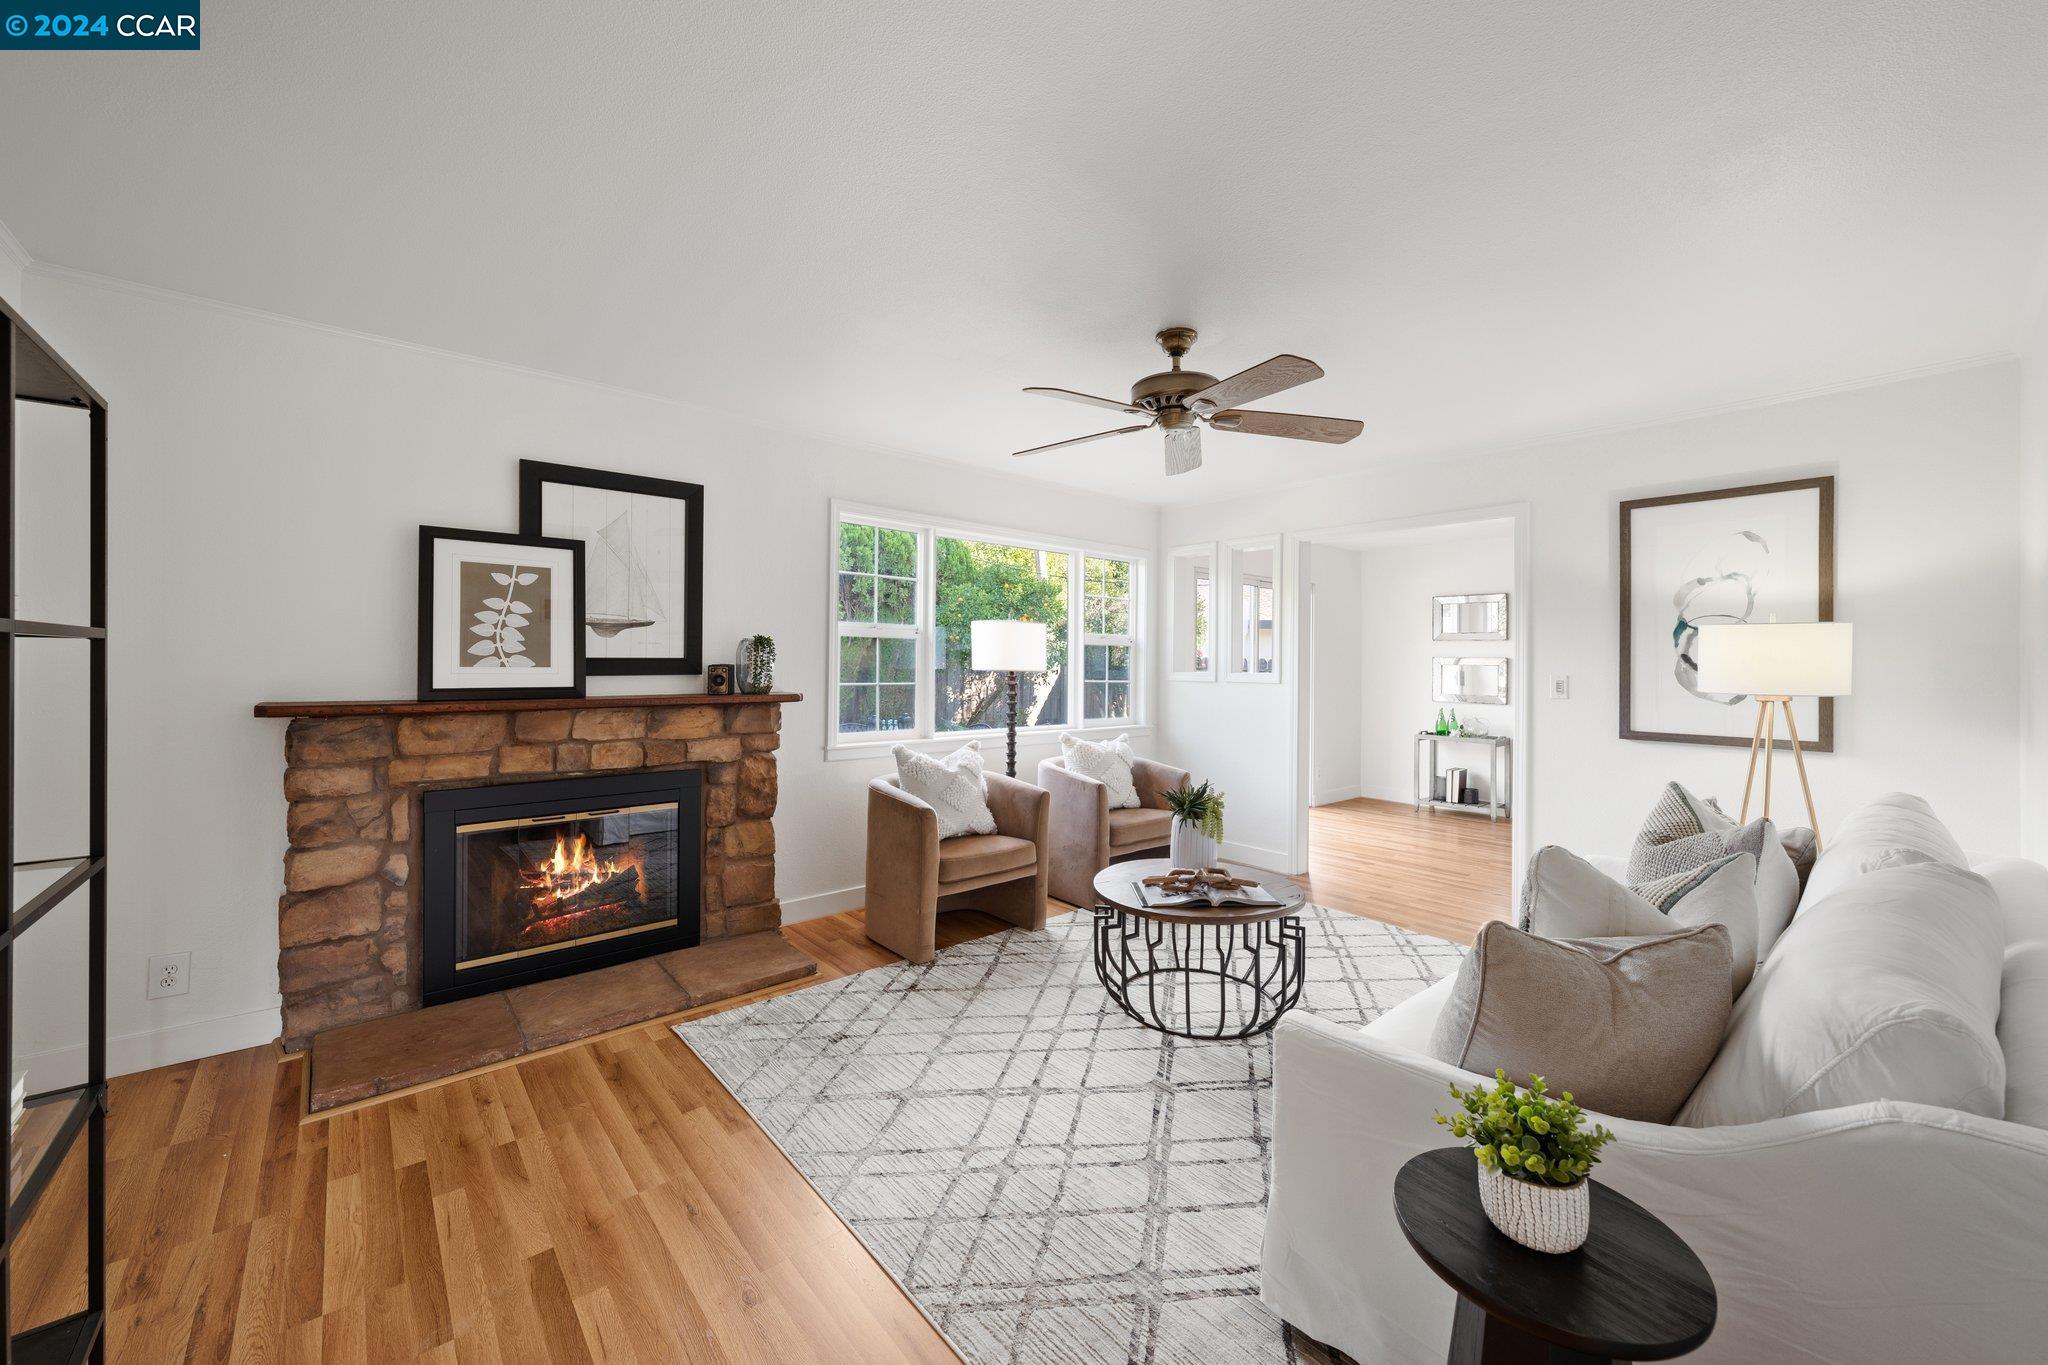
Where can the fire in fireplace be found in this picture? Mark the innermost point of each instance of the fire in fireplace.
(533, 880)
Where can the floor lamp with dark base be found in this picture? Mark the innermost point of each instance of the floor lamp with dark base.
(1774, 663)
(1009, 647)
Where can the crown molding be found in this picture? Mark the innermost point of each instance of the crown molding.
(13, 251)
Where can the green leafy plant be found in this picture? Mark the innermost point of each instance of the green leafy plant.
(1200, 805)
(1526, 1134)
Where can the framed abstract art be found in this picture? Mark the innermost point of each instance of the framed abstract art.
(1760, 553)
(500, 615)
(644, 539)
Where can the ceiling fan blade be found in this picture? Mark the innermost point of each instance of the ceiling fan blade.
(1293, 425)
(1119, 404)
(1078, 440)
(1261, 380)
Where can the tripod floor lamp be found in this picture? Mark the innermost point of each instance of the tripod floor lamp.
(1775, 663)
(1010, 647)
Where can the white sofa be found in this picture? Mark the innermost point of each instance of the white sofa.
(1880, 1231)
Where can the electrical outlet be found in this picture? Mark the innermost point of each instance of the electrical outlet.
(1560, 687)
(169, 974)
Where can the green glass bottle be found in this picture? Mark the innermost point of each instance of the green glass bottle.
(1454, 722)
(1439, 720)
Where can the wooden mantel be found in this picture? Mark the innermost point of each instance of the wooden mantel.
(331, 710)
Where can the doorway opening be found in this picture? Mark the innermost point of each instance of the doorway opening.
(1413, 709)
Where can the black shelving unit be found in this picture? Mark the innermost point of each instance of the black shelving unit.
(30, 371)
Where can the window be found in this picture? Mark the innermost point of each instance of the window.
(905, 596)
(982, 580)
(1106, 639)
(877, 593)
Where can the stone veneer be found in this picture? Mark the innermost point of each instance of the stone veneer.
(349, 919)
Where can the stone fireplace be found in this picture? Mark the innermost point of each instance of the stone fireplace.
(361, 778)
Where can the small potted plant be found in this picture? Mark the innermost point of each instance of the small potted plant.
(757, 664)
(1535, 1154)
(1197, 825)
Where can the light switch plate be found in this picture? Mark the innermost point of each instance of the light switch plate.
(1560, 687)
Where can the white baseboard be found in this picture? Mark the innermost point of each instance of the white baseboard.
(1251, 855)
(1335, 794)
(132, 1052)
(823, 904)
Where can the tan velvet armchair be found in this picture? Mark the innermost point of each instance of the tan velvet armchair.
(913, 874)
(1088, 836)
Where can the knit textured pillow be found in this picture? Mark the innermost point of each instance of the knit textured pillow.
(953, 786)
(1109, 764)
(1684, 833)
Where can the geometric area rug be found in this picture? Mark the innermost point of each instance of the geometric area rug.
(1048, 1180)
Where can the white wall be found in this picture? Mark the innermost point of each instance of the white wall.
(1339, 649)
(267, 481)
(1928, 566)
(1400, 649)
(2034, 602)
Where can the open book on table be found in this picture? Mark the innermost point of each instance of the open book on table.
(1159, 897)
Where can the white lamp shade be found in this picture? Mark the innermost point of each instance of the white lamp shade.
(1794, 660)
(1008, 647)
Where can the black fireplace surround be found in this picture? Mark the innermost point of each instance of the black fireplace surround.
(528, 881)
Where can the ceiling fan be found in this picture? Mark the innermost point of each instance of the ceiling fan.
(1179, 401)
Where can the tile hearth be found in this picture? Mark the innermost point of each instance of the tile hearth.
(379, 1056)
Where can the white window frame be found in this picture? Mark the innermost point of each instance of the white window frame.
(921, 677)
(1180, 604)
(1128, 640)
(924, 734)
(1234, 581)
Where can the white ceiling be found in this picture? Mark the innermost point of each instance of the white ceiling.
(1490, 222)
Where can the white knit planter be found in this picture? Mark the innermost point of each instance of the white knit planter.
(1190, 847)
(1551, 1218)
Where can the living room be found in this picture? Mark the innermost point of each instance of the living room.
(863, 701)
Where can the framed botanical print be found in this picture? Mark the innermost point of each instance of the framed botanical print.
(500, 615)
(1761, 553)
(644, 539)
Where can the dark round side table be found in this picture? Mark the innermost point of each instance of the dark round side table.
(1634, 1291)
(1209, 975)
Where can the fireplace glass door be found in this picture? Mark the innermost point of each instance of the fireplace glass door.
(543, 883)
(530, 880)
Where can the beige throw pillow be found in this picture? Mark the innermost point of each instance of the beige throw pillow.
(1565, 897)
(1627, 1025)
(953, 786)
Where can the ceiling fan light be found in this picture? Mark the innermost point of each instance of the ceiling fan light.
(1183, 449)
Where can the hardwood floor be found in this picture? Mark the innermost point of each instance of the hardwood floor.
(606, 1202)
(1436, 872)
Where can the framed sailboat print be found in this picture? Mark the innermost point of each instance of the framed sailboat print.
(643, 561)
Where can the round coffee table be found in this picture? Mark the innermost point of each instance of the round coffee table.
(1634, 1291)
(1193, 972)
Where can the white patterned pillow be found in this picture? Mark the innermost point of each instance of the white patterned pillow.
(1109, 764)
(953, 786)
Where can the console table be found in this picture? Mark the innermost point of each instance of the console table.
(1497, 767)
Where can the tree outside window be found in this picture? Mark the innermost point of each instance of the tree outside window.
(985, 581)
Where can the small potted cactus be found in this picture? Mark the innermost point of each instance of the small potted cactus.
(1535, 1155)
